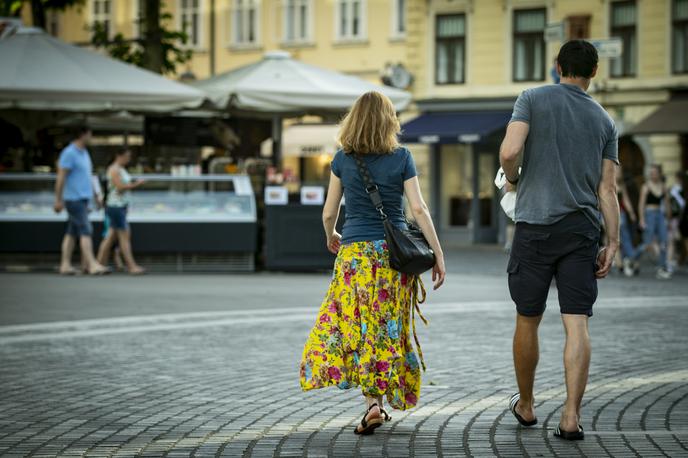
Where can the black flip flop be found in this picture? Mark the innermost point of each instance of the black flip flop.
(369, 426)
(569, 435)
(513, 402)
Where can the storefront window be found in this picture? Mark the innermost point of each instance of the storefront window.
(457, 174)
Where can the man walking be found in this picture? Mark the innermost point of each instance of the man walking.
(566, 146)
(73, 191)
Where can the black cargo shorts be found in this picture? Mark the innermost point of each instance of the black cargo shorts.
(566, 251)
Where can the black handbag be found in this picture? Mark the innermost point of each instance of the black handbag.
(409, 251)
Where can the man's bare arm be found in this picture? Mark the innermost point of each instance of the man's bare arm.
(609, 205)
(512, 146)
(59, 186)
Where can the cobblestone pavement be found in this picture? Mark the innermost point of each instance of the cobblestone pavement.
(223, 381)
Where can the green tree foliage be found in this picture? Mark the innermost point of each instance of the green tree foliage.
(38, 8)
(159, 50)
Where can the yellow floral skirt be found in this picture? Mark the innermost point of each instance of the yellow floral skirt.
(361, 336)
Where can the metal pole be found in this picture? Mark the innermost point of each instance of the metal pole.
(212, 38)
(475, 203)
(436, 183)
(276, 140)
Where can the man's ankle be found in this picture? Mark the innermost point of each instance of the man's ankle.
(526, 402)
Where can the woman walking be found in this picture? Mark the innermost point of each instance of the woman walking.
(628, 219)
(119, 186)
(362, 332)
(653, 206)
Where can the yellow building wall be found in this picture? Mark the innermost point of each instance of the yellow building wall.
(366, 58)
(653, 38)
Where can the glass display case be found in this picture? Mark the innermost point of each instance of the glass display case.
(176, 217)
(162, 198)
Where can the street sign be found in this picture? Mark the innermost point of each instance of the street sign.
(554, 31)
(608, 47)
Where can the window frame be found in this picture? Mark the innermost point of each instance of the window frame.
(516, 35)
(624, 32)
(454, 40)
(399, 16)
(181, 12)
(347, 36)
(136, 19)
(97, 17)
(298, 23)
(675, 23)
(244, 11)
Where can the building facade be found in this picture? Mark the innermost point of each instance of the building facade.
(465, 61)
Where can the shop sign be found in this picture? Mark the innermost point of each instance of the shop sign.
(429, 138)
(608, 47)
(469, 138)
(311, 150)
(276, 195)
(554, 32)
(312, 195)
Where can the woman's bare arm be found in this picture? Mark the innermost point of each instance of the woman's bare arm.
(641, 206)
(422, 216)
(331, 212)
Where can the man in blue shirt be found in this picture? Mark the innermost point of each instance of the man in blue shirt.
(73, 191)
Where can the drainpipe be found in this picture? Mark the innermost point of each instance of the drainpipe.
(212, 38)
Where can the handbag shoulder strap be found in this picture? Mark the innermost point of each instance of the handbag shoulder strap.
(370, 187)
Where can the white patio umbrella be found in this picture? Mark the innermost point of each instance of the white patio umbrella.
(40, 72)
(279, 84)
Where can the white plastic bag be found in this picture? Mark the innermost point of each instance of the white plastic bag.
(508, 202)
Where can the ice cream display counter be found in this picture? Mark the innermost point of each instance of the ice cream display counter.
(211, 217)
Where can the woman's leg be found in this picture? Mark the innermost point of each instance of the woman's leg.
(627, 250)
(662, 240)
(374, 412)
(105, 247)
(123, 236)
(648, 234)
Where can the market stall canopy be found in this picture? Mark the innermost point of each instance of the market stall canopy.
(670, 118)
(39, 72)
(281, 85)
(303, 140)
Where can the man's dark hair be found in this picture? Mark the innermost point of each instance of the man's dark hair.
(577, 58)
(81, 130)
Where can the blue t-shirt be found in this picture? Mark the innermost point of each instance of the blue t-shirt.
(77, 162)
(570, 135)
(388, 171)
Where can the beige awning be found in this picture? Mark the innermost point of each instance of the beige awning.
(304, 140)
(670, 118)
(39, 72)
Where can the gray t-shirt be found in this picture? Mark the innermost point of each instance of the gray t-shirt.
(570, 135)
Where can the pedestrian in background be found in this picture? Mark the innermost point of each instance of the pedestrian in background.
(683, 219)
(677, 207)
(119, 186)
(568, 174)
(73, 192)
(361, 336)
(653, 212)
(627, 219)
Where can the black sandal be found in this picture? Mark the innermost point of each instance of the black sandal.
(385, 414)
(569, 435)
(369, 426)
(513, 402)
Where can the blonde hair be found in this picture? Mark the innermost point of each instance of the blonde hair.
(371, 126)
